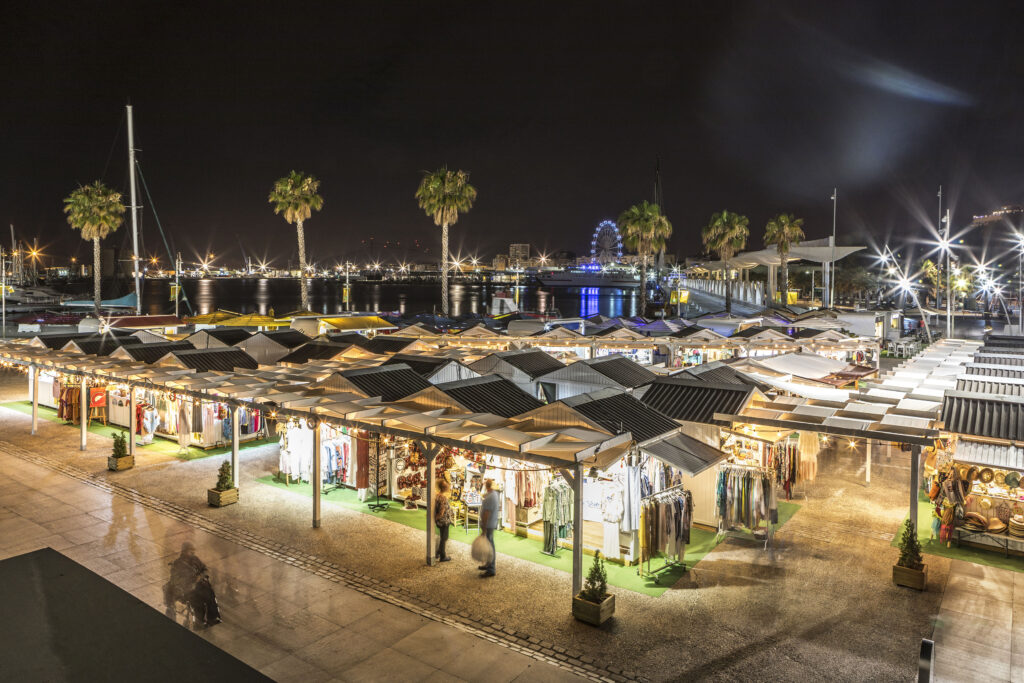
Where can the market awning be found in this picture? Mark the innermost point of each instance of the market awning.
(989, 454)
(683, 452)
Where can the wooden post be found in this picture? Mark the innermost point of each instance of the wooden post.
(577, 531)
(431, 452)
(915, 464)
(867, 464)
(234, 446)
(83, 412)
(315, 475)
(132, 421)
(34, 371)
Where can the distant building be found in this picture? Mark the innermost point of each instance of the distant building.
(518, 254)
(500, 262)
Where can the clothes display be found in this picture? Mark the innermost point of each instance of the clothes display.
(556, 512)
(665, 522)
(745, 496)
(809, 446)
(783, 459)
(184, 424)
(69, 402)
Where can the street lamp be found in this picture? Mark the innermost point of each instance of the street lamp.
(945, 245)
(1020, 303)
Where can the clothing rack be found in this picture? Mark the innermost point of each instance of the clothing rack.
(730, 531)
(670, 563)
(379, 505)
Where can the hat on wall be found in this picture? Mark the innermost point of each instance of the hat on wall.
(986, 475)
(1013, 480)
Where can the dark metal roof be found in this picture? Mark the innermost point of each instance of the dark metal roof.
(314, 351)
(102, 345)
(686, 453)
(59, 341)
(619, 412)
(490, 394)
(622, 370)
(531, 361)
(996, 418)
(757, 329)
(390, 382)
(203, 360)
(998, 359)
(348, 338)
(1001, 350)
(424, 365)
(1004, 340)
(695, 400)
(1002, 372)
(808, 332)
(387, 344)
(687, 331)
(720, 373)
(989, 387)
(229, 335)
(151, 353)
(291, 339)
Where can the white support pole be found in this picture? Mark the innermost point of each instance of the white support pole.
(577, 531)
(136, 269)
(315, 475)
(34, 372)
(234, 446)
(915, 484)
(83, 412)
(431, 453)
(132, 421)
(867, 464)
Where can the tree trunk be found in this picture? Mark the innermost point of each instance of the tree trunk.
(303, 283)
(96, 274)
(643, 285)
(728, 289)
(784, 283)
(444, 269)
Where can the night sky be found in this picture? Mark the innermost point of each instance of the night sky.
(558, 110)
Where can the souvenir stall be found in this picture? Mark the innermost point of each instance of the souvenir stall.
(745, 499)
(344, 459)
(697, 352)
(642, 353)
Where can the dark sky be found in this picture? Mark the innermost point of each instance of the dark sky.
(558, 111)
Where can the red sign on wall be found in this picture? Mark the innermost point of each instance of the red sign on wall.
(97, 397)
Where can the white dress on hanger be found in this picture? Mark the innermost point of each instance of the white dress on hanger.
(611, 514)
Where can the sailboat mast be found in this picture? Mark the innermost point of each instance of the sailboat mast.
(136, 271)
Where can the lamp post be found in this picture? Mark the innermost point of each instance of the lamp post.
(1020, 304)
(907, 286)
(832, 259)
(947, 246)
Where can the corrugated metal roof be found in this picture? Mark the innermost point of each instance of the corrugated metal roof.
(424, 365)
(390, 382)
(992, 455)
(228, 335)
(771, 332)
(531, 361)
(992, 388)
(348, 338)
(999, 359)
(314, 351)
(290, 339)
(622, 370)
(1004, 340)
(59, 341)
(387, 344)
(490, 394)
(992, 417)
(151, 353)
(983, 370)
(100, 345)
(720, 373)
(696, 401)
(203, 360)
(145, 322)
(684, 452)
(692, 330)
(619, 412)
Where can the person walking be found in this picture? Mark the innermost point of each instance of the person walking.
(443, 518)
(489, 522)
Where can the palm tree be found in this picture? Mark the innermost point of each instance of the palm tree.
(95, 211)
(295, 196)
(725, 235)
(783, 231)
(644, 230)
(933, 275)
(443, 195)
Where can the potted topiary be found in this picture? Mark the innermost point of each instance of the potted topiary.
(910, 570)
(119, 459)
(594, 604)
(225, 492)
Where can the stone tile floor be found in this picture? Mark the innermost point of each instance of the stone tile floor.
(290, 624)
(818, 605)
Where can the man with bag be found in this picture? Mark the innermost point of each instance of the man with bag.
(489, 522)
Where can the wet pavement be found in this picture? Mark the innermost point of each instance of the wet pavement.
(820, 604)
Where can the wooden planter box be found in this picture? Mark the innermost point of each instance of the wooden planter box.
(219, 499)
(123, 463)
(911, 578)
(592, 613)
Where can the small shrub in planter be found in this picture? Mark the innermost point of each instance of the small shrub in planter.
(119, 459)
(594, 605)
(224, 493)
(910, 570)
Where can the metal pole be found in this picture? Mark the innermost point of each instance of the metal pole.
(83, 412)
(348, 291)
(867, 464)
(35, 397)
(577, 531)
(135, 225)
(431, 453)
(915, 457)
(132, 421)
(1020, 303)
(315, 475)
(177, 283)
(3, 293)
(832, 259)
(234, 446)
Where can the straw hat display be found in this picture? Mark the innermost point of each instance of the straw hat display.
(1016, 526)
(995, 526)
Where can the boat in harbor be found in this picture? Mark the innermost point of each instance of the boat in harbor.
(590, 277)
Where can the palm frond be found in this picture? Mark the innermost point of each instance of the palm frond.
(444, 195)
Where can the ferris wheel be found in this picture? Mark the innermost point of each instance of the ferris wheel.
(606, 244)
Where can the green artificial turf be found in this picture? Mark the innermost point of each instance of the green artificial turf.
(991, 558)
(701, 542)
(159, 445)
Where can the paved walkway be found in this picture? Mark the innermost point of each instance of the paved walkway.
(290, 616)
(979, 636)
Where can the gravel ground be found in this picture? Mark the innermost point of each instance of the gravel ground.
(819, 605)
